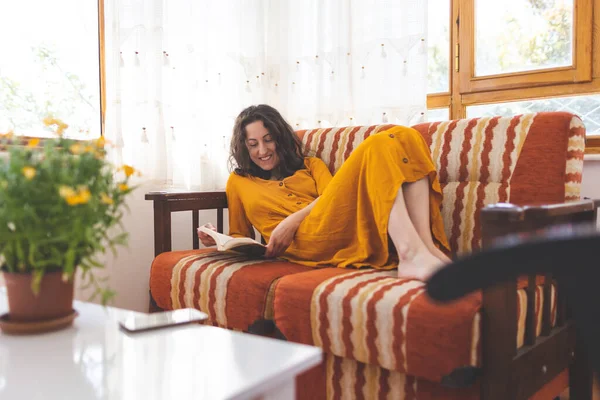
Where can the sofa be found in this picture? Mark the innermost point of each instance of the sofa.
(382, 337)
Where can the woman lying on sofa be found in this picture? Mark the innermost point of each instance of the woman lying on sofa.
(388, 186)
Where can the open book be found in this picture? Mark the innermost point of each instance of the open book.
(243, 245)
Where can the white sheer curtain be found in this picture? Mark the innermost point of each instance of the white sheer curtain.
(179, 71)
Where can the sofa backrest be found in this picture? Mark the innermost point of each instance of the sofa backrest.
(527, 159)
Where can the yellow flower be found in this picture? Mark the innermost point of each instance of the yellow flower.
(33, 142)
(8, 135)
(29, 172)
(66, 191)
(123, 187)
(60, 126)
(76, 148)
(100, 142)
(89, 149)
(128, 169)
(104, 198)
(73, 198)
(49, 121)
(84, 196)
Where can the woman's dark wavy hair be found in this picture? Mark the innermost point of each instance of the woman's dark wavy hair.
(288, 145)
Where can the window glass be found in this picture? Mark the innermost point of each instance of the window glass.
(522, 35)
(438, 114)
(587, 107)
(438, 49)
(49, 67)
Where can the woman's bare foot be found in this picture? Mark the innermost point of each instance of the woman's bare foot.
(439, 254)
(422, 266)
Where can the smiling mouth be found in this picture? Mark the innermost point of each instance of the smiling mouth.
(267, 158)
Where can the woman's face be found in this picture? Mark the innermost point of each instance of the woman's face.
(261, 146)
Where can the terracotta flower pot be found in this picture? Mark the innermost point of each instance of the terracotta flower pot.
(54, 300)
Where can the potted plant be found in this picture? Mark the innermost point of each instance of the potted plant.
(61, 206)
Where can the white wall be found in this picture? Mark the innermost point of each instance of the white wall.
(591, 177)
(590, 186)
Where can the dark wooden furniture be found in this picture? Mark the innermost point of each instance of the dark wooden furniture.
(166, 202)
(507, 373)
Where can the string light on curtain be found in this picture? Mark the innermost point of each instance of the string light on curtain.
(144, 138)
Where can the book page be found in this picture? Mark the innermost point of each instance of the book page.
(219, 238)
(225, 242)
(236, 242)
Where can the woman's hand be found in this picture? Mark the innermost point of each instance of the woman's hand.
(282, 236)
(206, 240)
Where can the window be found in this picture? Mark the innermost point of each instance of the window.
(587, 107)
(524, 43)
(526, 36)
(517, 56)
(438, 114)
(50, 66)
(438, 49)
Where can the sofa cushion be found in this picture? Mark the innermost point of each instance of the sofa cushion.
(233, 290)
(538, 307)
(375, 318)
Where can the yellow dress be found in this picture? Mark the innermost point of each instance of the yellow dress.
(348, 225)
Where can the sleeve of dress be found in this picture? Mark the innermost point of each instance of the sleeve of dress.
(320, 174)
(239, 225)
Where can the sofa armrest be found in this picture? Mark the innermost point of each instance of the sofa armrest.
(166, 202)
(499, 314)
(544, 214)
(502, 219)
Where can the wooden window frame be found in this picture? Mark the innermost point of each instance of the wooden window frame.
(530, 85)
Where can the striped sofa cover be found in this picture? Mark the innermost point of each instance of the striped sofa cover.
(381, 335)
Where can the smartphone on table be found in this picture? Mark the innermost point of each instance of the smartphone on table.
(146, 322)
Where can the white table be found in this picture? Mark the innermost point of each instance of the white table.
(93, 359)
